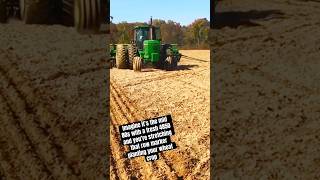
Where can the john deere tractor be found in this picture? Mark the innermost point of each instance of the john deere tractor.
(145, 49)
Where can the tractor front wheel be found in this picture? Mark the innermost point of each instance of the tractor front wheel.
(121, 57)
(3, 11)
(137, 64)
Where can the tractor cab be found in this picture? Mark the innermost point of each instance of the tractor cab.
(145, 32)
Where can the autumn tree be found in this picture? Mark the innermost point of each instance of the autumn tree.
(196, 34)
(123, 33)
(193, 36)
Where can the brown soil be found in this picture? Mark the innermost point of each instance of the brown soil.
(52, 103)
(266, 74)
(183, 93)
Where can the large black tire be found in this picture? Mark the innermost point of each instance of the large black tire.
(121, 57)
(87, 15)
(162, 61)
(3, 11)
(175, 62)
(171, 63)
(32, 12)
(132, 52)
(137, 64)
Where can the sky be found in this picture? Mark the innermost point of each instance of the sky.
(181, 11)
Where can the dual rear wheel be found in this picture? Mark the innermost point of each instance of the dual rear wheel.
(3, 11)
(128, 58)
(86, 14)
(121, 57)
(33, 12)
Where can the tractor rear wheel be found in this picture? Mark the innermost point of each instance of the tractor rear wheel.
(170, 62)
(87, 15)
(121, 57)
(33, 12)
(137, 63)
(3, 11)
(132, 52)
(175, 62)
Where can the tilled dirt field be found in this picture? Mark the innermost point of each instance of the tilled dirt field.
(266, 84)
(53, 103)
(183, 93)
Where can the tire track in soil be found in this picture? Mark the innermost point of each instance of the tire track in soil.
(6, 159)
(2, 172)
(22, 141)
(31, 95)
(145, 79)
(297, 4)
(272, 78)
(5, 164)
(135, 113)
(62, 74)
(115, 154)
(124, 169)
(38, 137)
(192, 85)
(113, 169)
(118, 113)
(218, 43)
(161, 166)
(39, 133)
(203, 165)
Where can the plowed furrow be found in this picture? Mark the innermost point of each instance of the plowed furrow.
(203, 166)
(120, 169)
(128, 109)
(8, 164)
(193, 86)
(172, 163)
(113, 168)
(124, 168)
(36, 117)
(219, 43)
(272, 78)
(61, 74)
(44, 143)
(13, 130)
(32, 99)
(118, 116)
(300, 3)
(2, 172)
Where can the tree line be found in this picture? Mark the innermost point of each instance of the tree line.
(193, 36)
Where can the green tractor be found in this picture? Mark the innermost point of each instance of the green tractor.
(145, 49)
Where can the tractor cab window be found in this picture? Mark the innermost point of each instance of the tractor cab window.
(158, 34)
(141, 35)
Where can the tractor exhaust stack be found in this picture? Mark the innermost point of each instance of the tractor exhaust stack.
(151, 29)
